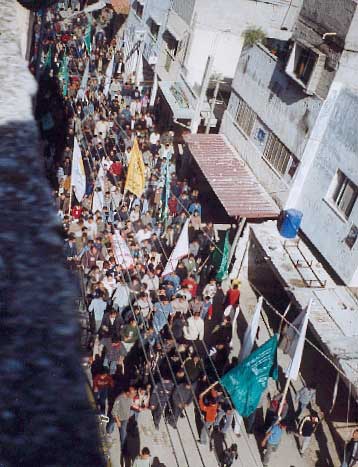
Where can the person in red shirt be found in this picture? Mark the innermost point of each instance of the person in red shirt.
(101, 384)
(209, 406)
(76, 211)
(191, 284)
(233, 295)
(116, 170)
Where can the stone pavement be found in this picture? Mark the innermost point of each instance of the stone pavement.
(160, 445)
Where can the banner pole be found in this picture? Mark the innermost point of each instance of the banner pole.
(70, 203)
(284, 395)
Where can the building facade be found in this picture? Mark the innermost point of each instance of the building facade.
(186, 42)
(288, 118)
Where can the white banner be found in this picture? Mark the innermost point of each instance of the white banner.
(251, 331)
(78, 176)
(180, 251)
(294, 367)
(121, 251)
(109, 73)
(83, 87)
(95, 6)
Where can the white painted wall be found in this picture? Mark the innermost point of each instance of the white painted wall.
(333, 145)
(23, 22)
(225, 47)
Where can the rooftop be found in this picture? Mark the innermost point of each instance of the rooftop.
(230, 177)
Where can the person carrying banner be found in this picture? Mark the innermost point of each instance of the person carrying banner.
(272, 441)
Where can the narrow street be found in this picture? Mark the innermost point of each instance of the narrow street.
(180, 260)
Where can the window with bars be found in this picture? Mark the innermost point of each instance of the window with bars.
(154, 28)
(138, 8)
(278, 156)
(343, 193)
(245, 117)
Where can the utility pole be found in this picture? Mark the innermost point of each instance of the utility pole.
(212, 105)
(204, 87)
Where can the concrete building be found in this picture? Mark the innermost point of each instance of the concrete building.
(186, 42)
(290, 117)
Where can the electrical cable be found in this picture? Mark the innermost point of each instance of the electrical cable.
(149, 366)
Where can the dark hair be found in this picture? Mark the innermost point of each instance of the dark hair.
(145, 451)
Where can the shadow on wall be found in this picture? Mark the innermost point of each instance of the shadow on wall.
(45, 416)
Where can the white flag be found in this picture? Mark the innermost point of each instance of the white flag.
(78, 176)
(250, 333)
(83, 87)
(95, 6)
(121, 250)
(294, 367)
(180, 251)
(109, 73)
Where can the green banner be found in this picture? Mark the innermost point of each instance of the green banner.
(64, 76)
(224, 265)
(88, 41)
(48, 59)
(247, 381)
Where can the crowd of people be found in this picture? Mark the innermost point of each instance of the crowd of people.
(161, 342)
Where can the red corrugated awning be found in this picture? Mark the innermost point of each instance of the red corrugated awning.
(231, 179)
(121, 7)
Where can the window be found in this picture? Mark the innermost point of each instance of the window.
(138, 8)
(278, 156)
(154, 28)
(343, 193)
(352, 236)
(171, 44)
(245, 117)
(301, 64)
(305, 61)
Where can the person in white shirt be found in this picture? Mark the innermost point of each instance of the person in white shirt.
(143, 234)
(210, 289)
(195, 328)
(151, 280)
(98, 307)
(127, 154)
(154, 140)
(91, 228)
(121, 296)
(101, 128)
(148, 120)
(109, 283)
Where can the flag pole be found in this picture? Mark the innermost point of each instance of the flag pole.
(209, 389)
(293, 370)
(70, 203)
(284, 395)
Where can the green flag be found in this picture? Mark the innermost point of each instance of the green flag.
(246, 382)
(64, 76)
(48, 60)
(224, 265)
(88, 37)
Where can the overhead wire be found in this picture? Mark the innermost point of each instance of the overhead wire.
(148, 361)
(266, 301)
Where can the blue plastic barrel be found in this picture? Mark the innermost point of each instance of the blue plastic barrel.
(291, 221)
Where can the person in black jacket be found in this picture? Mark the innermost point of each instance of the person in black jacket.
(351, 451)
(159, 399)
(306, 429)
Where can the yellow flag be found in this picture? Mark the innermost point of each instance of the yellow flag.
(136, 172)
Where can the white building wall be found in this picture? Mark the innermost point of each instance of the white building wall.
(225, 47)
(23, 21)
(333, 145)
